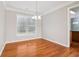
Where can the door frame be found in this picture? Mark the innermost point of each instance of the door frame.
(68, 23)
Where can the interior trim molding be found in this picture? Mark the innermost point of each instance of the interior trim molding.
(52, 10)
(56, 42)
(2, 49)
(16, 9)
(22, 40)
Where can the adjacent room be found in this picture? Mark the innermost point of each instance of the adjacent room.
(74, 16)
(39, 28)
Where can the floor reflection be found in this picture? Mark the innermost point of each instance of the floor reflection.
(26, 50)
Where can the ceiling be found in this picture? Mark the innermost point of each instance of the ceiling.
(40, 7)
(75, 9)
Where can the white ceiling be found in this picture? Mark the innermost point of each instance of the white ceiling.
(75, 9)
(42, 7)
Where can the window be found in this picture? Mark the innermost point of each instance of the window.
(25, 24)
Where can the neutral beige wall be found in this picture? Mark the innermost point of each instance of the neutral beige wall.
(11, 28)
(56, 26)
(2, 27)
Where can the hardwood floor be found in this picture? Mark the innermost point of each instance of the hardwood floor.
(39, 48)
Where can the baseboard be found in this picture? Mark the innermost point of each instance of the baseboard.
(37, 38)
(56, 42)
(16, 41)
(2, 49)
(22, 40)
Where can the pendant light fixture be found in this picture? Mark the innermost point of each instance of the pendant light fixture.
(37, 16)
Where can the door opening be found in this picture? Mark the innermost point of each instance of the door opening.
(74, 26)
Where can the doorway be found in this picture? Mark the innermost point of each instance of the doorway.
(74, 26)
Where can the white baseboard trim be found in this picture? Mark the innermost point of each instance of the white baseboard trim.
(22, 40)
(16, 41)
(57, 42)
(36, 38)
(2, 49)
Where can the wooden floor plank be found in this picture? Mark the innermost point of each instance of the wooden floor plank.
(39, 48)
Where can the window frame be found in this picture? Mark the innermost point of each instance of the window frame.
(18, 15)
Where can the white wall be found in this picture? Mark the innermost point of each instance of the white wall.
(2, 27)
(11, 28)
(55, 26)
